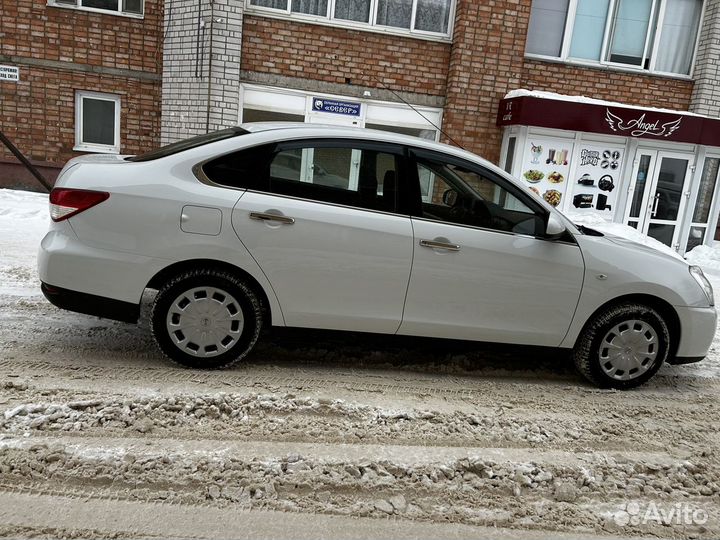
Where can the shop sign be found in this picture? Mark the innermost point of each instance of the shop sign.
(9, 73)
(607, 120)
(347, 108)
(639, 126)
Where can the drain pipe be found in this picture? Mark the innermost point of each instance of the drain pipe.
(30, 167)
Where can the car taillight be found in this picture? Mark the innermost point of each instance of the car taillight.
(65, 203)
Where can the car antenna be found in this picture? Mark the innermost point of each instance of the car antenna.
(393, 92)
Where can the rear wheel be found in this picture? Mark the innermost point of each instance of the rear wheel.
(206, 319)
(623, 346)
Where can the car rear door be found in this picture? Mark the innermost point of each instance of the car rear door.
(480, 271)
(326, 235)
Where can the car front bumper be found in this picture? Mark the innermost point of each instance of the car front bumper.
(697, 330)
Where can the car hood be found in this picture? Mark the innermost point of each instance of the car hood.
(641, 247)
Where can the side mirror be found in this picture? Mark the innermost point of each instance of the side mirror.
(449, 197)
(555, 227)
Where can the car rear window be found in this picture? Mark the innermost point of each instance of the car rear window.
(187, 144)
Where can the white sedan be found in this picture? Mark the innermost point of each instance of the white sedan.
(346, 229)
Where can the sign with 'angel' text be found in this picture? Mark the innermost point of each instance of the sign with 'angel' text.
(637, 126)
(609, 119)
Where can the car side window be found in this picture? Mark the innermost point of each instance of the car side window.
(245, 168)
(462, 195)
(344, 175)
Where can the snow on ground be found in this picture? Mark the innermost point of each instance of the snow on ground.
(24, 220)
(320, 436)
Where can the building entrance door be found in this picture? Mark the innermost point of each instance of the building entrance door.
(659, 194)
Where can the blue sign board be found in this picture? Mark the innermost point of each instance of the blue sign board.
(347, 108)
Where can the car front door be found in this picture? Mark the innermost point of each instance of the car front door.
(481, 270)
(327, 237)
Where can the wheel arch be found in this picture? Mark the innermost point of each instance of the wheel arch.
(167, 273)
(664, 308)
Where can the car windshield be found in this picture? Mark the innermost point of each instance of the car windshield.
(187, 144)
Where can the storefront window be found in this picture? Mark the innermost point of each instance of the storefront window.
(706, 191)
(703, 203)
(510, 154)
(255, 115)
(428, 134)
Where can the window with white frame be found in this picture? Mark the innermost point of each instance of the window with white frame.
(654, 35)
(121, 7)
(430, 17)
(97, 122)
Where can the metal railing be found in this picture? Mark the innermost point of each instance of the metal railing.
(30, 167)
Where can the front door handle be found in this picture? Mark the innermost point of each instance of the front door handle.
(654, 207)
(262, 216)
(434, 244)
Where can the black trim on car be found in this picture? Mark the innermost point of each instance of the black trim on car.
(680, 360)
(187, 144)
(90, 304)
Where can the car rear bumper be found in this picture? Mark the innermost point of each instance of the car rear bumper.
(697, 330)
(107, 308)
(67, 263)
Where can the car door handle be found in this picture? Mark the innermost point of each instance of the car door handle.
(434, 244)
(261, 216)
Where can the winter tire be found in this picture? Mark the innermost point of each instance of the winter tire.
(206, 319)
(623, 346)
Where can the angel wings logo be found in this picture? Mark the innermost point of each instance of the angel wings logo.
(639, 126)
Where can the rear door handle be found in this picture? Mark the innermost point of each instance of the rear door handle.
(434, 244)
(262, 216)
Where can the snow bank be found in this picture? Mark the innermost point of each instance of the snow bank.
(618, 229)
(707, 257)
(24, 220)
(590, 101)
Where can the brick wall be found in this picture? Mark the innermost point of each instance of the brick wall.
(31, 28)
(487, 60)
(613, 85)
(38, 113)
(342, 56)
(201, 55)
(60, 51)
(706, 95)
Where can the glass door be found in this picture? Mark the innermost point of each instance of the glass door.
(668, 198)
(659, 195)
(642, 175)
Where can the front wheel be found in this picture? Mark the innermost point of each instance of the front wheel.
(623, 346)
(206, 319)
